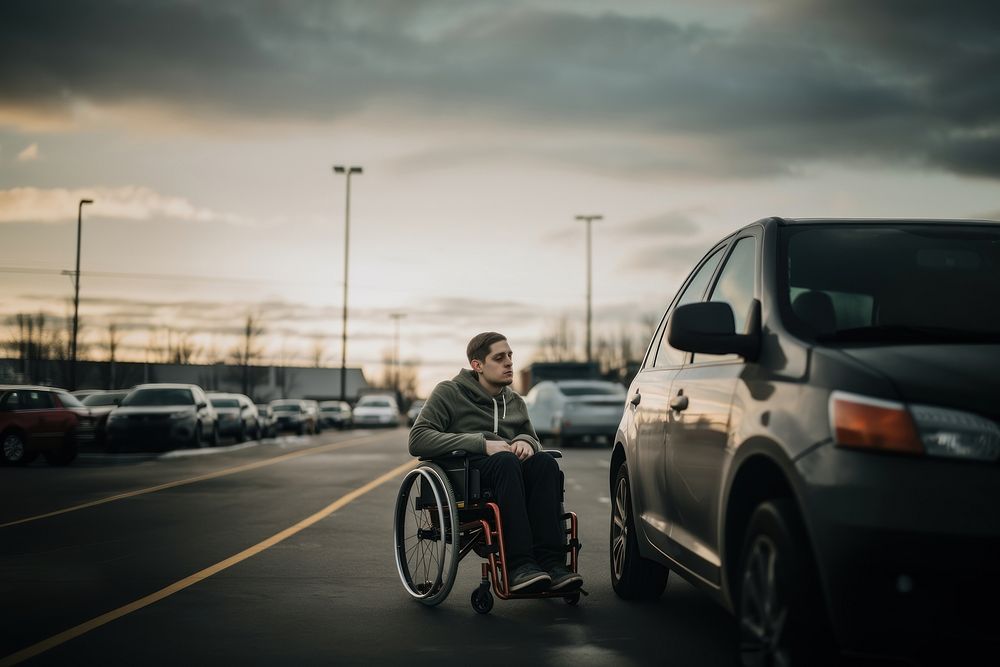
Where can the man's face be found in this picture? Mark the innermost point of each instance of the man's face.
(498, 369)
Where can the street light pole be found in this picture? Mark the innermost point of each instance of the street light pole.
(76, 292)
(588, 219)
(395, 355)
(340, 169)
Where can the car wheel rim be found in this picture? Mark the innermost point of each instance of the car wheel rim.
(13, 448)
(619, 528)
(763, 612)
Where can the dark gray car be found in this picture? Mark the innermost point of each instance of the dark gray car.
(162, 416)
(813, 440)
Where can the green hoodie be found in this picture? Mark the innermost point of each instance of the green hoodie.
(460, 415)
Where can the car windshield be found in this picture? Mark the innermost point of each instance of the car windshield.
(225, 403)
(592, 390)
(891, 282)
(103, 399)
(375, 403)
(286, 407)
(154, 397)
(331, 408)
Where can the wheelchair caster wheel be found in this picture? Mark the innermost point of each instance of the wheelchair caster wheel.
(573, 599)
(482, 600)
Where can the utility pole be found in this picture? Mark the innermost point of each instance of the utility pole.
(76, 292)
(395, 355)
(339, 169)
(589, 219)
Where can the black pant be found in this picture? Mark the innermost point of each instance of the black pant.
(528, 494)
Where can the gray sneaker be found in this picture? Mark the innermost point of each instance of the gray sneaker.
(529, 578)
(564, 579)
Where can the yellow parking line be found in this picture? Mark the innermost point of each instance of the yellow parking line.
(83, 628)
(200, 478)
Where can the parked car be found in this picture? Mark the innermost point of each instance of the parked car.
(162, 416)
(576, 411)
(376, 410)
(41, 420)
(335, 414)
(292, 414)
(101, 404)
(414, 411)
(313, 408)
(813, 439)
(237, 415)
(268, 425)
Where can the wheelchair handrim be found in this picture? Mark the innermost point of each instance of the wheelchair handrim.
(401, 566)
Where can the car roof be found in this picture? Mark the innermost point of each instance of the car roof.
(166, 385)
(855, 221)
(32, 387)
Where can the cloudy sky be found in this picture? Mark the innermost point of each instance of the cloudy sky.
(206, 131)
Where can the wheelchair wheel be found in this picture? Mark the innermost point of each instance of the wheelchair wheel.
(482, 600)
(426, 534)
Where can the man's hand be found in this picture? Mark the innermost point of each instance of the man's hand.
(496, 446)
(523, 450)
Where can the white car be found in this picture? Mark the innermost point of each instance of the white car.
(576, 411)
(376, 411)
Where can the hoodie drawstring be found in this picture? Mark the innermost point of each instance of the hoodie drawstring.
(496, 411)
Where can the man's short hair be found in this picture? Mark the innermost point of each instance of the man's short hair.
(480, 345)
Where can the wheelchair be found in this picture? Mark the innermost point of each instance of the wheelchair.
(442, 514)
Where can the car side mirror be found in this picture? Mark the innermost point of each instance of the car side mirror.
(710, 328)
(202, 406)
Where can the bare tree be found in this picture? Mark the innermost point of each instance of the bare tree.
(247, 352)
(112, 341)
(32, 343)
(559, 344)
(318, 353)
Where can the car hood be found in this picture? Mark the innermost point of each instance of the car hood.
(964, 377)
(153, 409)
(363, 410)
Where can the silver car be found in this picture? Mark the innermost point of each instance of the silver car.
(576, 411)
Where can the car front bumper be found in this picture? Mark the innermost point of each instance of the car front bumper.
(908, 547)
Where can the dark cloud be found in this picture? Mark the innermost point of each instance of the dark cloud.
(909, 81)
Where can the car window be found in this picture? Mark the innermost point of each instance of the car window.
(225, 403)
(593, 390)
(158, 397)
(667, 356)
(38, 400)
(891, 282)
(103, 399)
(735, 286)
(12, 400)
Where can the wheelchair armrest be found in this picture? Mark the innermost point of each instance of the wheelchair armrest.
(457, 454)
(554, 453)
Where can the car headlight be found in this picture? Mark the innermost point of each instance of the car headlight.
(956, 434)
(861, 422)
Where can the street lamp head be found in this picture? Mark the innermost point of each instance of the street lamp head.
(341, 169)
(356, 170)
(337, 169)
(590, 217)
(86, 201)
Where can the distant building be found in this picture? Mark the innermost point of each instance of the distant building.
(261, 383)
(557, 370)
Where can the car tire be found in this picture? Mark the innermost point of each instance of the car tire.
(632, 576)
(779, 605)
(215, 435)
(197, 438)
(14, 449)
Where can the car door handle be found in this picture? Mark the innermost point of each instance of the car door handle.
(679, 403)
(635, 399)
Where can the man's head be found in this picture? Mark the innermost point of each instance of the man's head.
(491, 358)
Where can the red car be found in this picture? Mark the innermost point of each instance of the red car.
(41, 420)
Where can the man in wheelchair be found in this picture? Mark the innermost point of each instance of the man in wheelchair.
(477, 412)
